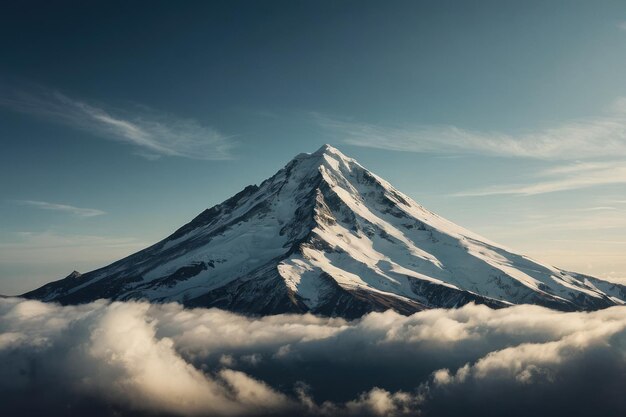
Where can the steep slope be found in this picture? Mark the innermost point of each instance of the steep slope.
(326, 235)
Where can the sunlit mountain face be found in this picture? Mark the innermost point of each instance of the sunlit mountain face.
(325, 235)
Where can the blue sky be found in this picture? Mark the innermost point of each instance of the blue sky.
(120, 122)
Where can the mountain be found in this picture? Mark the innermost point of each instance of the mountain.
(325, 235)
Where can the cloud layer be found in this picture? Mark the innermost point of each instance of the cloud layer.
(153, 134)
(141, 359)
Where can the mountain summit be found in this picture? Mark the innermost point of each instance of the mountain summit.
(325, 235)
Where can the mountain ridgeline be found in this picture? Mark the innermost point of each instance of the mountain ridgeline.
(324, 235)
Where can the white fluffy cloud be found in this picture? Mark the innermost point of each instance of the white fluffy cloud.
(141, 359)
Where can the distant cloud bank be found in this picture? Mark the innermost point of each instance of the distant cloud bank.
(154, 134)
(141, 359)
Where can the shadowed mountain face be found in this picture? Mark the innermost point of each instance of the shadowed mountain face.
(325, 235)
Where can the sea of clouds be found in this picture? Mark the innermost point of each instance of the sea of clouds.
(135, 358)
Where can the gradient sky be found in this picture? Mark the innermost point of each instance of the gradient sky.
(119, 122)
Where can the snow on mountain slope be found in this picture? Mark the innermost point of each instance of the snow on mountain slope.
(326, 235)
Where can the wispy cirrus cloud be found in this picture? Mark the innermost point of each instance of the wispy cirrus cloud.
(154, 134)
(65, 208)
(603, 136)
(622, 25)
(563, 178)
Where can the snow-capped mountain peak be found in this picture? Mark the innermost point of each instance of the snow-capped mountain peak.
(326, 235)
